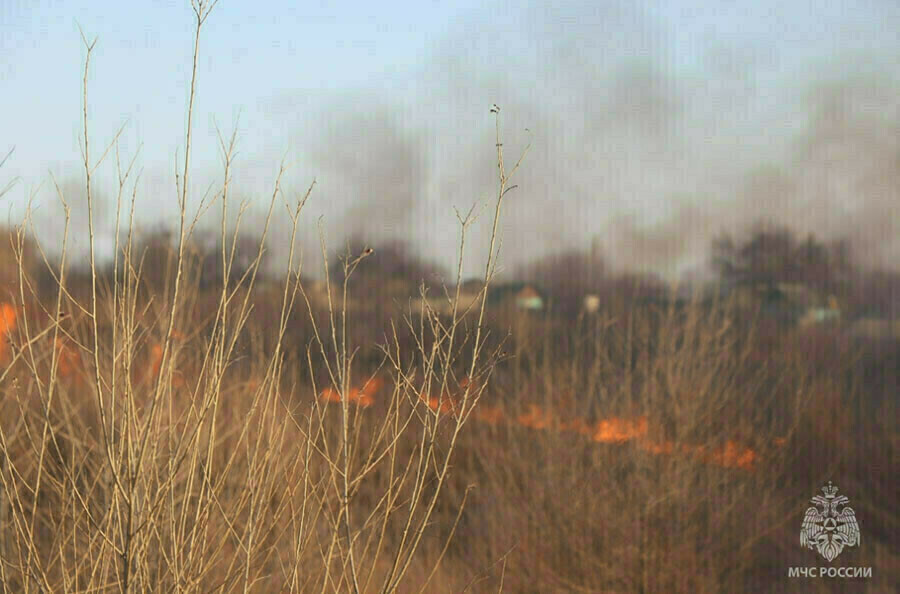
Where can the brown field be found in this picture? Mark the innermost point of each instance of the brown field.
(161, 431)
(642, 448)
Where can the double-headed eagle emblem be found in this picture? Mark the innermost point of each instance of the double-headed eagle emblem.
(827, 529)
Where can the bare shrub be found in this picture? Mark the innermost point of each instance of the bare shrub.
(185, 454)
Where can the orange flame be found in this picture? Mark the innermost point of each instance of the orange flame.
(66, 359)
(450, 404)
(615, 430)
(7, 326)
(666, 447)
(156, 356)
(578, 426)
(735, 456)
(492, 415)
(535, 418)
(364, 397)
(731, 455)
(447, 405)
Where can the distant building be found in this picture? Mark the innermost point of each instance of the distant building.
(790, 303)
(591, 303)
(805, 306)
(523, 296)
(819, 314)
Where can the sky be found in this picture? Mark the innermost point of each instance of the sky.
(653, 125)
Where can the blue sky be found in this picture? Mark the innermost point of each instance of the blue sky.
(252, 52)
(653, 123)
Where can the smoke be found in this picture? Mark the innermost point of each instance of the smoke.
(376, 166)
(650, 139)
(653, 129)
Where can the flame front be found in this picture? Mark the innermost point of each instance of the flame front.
(612, 430)
(7, 327)
(156, 356)
(364, 397)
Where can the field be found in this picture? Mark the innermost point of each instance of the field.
(179, 420)
(643, 447)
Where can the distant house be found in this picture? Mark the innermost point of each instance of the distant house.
(791, 303)
(820, 313)
(805, 306)
(524, 296)
(591, 303)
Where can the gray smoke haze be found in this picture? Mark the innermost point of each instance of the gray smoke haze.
(630, 145)
(654, 129)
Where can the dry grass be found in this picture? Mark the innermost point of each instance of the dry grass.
(138, 457)
(178, 440)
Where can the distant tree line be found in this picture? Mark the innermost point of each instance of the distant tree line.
(765, 255)
(391, 260)
(775, 254)
(772, 254)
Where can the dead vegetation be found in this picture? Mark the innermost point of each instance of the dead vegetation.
(159, 433)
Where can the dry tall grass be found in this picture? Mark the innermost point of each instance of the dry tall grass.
(181, 440)
(662, 512)
(202, 475)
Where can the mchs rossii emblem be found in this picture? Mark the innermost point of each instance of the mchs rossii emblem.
(827, 528)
